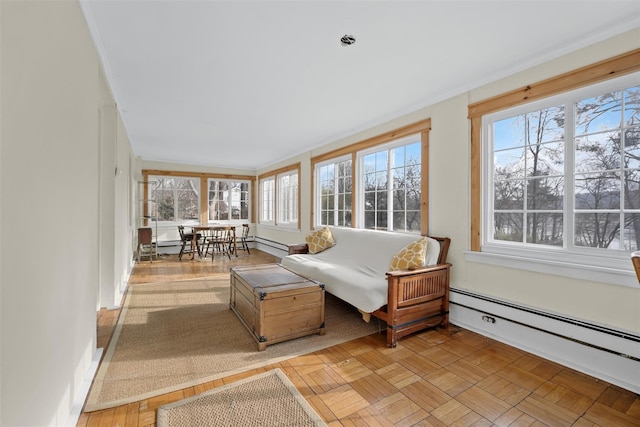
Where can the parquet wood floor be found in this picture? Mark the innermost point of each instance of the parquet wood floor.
(435, 378)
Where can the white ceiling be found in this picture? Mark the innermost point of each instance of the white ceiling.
(243, 84)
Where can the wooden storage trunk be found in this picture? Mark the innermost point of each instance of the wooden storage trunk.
(276, 304)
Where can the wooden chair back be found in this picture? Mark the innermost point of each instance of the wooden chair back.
(183, 236)
(635, 259)
(145, 236)
(444, 248)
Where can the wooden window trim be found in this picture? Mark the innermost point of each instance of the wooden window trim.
(421, 127)
(204, 187)
(600, 71)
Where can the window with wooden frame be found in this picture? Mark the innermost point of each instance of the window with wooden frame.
(390, 184)
(280, 196)
(229, 200)
(334, 192)
(176, 199)
(267, 199)
(560, 168)
(379, 183)
(287, 195)
(201, 197)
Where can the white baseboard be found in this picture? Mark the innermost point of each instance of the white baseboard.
(83, 392)
(608, 354)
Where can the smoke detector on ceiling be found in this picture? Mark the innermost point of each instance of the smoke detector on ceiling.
(347, 40)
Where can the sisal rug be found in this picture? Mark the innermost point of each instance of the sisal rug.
(268, 399)
(174, 335)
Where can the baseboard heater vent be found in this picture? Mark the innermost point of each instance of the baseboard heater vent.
(604, 352)
(272, 244)
(272, 247)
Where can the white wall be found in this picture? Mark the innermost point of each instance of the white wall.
(1, 222)
(106, 194)
(116, 214)
(51, 91)
(124, 213)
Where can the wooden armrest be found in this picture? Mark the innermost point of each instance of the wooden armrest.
(416, 299)
(422, 270)
(299, 248)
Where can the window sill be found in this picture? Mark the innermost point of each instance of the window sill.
(279, 227)
(615, 271)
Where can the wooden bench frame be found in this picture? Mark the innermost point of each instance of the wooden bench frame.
(417, 299)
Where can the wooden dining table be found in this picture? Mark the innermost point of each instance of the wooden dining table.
(212, 227)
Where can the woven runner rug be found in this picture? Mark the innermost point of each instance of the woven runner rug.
(268, 399)
(175, 335)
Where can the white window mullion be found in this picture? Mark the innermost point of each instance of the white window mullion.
(175, 202)
(390, 190)
(621, 172)
(525, 201)
(569, 173)
(336, 178)
(488, 184)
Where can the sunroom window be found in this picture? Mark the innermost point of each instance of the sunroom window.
(175, 199)
(564, 172)
(228, 200)
(561, 183)
(267, 200)
(335, 192)
(287, 191)
(391, 180)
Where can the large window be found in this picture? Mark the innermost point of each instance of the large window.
(391, 186)
(335, 191)
(279, 195)
(379, 183)
(228, 200)
(565, 172)
(267, 200)
(287, 190)
(173, 199)
(192, 197)
(560, 175)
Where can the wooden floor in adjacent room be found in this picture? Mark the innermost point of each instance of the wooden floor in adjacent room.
(435, 378)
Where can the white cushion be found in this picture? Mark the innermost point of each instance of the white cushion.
(355, 268)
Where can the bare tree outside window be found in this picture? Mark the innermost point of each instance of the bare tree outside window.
(529, 177)
(606, 173)
(228, 200)
(392, 182)
(336, 193)
(176, 198)
(529, 182)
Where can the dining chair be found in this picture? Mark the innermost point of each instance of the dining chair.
(243, 238)
(635, 259)
(145, 243)
(220, 240)
(187, 242)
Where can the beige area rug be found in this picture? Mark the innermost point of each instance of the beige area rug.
(268, 399)
(179, 334)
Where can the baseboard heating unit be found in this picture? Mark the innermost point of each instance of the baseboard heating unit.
(603, 352)
(271, 247)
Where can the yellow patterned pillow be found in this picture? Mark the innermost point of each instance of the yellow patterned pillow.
(320, 240)
(411, 256)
